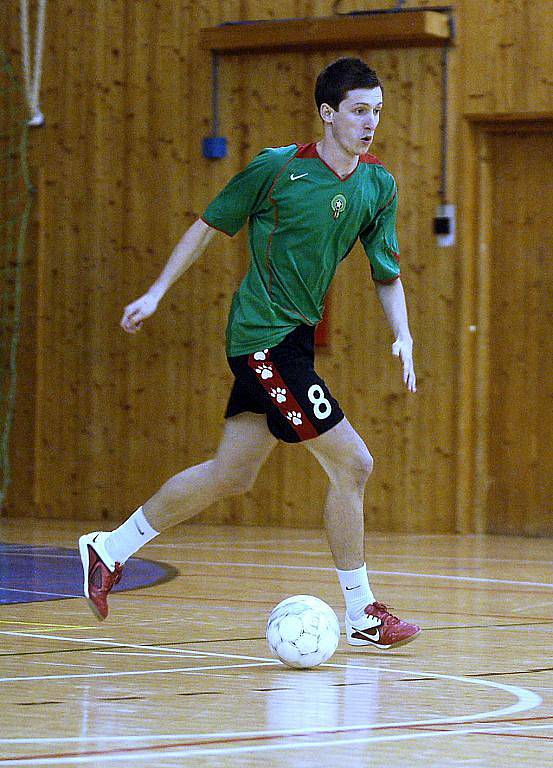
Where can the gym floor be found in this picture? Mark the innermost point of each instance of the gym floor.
(180, 673)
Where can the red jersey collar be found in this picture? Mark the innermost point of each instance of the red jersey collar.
(310, 151)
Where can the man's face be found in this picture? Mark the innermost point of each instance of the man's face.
(354, 122)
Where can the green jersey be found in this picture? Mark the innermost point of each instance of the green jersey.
(303, 221)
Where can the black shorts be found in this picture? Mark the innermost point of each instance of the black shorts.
(282, 383)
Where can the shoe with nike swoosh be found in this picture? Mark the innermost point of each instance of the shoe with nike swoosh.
(379, 628)
(101, 572)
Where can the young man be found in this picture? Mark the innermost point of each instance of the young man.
(306, 205)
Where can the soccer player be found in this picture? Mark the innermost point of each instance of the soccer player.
(306, 205)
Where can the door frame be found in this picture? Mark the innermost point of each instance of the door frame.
(474, 308)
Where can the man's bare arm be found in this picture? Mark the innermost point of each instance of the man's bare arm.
(190, 247)
(392, 298)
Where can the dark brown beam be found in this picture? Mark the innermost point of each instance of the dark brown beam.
(406, 29)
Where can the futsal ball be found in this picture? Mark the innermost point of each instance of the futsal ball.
(303, 631)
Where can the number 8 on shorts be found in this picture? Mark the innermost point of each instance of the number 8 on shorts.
(321, 406)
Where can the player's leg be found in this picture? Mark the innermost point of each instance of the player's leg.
(348, 464)
(245, 444)
(302, 409)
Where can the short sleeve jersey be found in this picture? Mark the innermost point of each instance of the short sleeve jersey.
(303, 221)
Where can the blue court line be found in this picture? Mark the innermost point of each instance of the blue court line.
(30, 574)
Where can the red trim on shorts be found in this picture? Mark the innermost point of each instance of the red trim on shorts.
(274, 385)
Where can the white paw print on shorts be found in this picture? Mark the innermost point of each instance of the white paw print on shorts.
(294, 417)
(279, 394)
(262, 355)
(265, 371)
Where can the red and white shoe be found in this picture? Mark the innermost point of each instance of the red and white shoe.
(101, 572)
(380, 629)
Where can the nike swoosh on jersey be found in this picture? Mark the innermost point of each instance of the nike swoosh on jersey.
(299, 176)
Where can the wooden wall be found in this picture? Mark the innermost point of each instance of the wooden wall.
(519, 466)
(126, 93)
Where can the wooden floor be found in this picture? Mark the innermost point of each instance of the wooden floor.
(180, 674)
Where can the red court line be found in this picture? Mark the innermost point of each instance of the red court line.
(508, 734)
(513, 735)
(269, 737)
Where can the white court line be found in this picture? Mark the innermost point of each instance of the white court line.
(401, 537)
(137, 653)
(32, 555)
(486, 728)
(134, 673)
(169, 753)
(326, 553)
(111, 643)
(381, 573)
(233, 544)
(34, 592)
(526, 699)
(60, 664)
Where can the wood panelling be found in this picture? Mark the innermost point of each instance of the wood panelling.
(507, 52)
(520, 457)
(127, 98)
(503, 459)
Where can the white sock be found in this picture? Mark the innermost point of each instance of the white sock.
(356, 590)
(129, 537)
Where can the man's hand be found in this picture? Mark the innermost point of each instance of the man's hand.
(136, 312)
(403, 348)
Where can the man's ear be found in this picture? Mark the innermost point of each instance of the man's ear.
(326, 112)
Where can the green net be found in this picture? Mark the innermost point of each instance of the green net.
(16, 199)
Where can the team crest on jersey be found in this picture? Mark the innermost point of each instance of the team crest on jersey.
(338, 205)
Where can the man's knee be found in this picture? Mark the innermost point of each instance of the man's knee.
(355, 466)
(362, 463)
(343, 455)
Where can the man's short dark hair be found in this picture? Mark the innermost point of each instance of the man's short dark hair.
(343, 75)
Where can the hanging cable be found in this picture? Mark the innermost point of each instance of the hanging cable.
(32, 80)
(16, 201)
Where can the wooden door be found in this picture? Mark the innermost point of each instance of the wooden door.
(520, 340)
